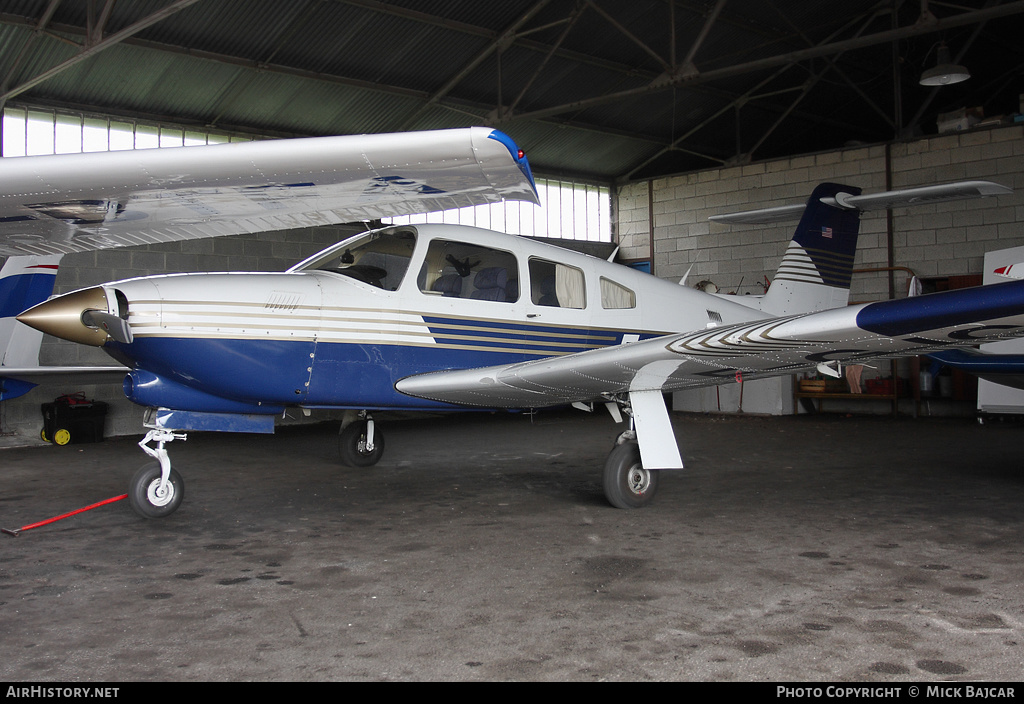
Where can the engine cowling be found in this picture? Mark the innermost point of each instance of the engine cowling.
(148, 389)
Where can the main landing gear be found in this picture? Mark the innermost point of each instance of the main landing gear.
(627, 484)
(361, 444)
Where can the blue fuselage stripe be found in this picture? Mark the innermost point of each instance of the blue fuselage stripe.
(352, 374)
(540, 340)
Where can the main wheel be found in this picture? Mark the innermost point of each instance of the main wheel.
(61, 436)
(626, 483)
(352, 445)
(145, 496)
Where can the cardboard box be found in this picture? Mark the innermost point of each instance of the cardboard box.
(959, 120)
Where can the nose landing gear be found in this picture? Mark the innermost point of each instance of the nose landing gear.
(156, 490)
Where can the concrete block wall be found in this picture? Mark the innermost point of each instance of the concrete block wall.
(267, 251)
(934, 240)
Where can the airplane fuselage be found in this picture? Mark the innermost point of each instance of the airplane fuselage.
(341, 337)
(444, 317)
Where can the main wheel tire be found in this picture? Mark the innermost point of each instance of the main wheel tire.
(61, 436)
(626, 483)
(352, 445)
(145, 497)
(43, 436)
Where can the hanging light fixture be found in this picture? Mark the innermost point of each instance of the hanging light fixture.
(945, 72)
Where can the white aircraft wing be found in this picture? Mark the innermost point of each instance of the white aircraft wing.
(81, 202)
(872, 201)
(771, 347)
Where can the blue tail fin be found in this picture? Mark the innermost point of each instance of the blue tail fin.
(816, 269)
(24, 282)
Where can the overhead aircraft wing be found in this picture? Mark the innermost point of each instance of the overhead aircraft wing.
(81, 202)
(771, 347)
(872, 201)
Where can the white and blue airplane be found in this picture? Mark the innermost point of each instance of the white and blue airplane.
(436, 317)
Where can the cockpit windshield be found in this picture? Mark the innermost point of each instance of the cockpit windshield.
(379, 258)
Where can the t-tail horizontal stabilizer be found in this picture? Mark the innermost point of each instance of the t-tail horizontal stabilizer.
(873, 201)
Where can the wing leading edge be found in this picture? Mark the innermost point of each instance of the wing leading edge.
(764, 348)
(81, 202)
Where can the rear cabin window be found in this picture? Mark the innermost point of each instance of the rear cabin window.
(463, 270)
(616, 296)
(557, 285)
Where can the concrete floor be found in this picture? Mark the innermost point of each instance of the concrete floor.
(481, 548)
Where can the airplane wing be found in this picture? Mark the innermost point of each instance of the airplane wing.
(81, 202)
(1005, 369)
(770, 347)
(872, 201)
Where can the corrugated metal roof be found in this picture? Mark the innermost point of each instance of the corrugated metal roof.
(590, 88)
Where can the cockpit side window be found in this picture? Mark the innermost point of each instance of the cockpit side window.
(463, 270)
(379, 258)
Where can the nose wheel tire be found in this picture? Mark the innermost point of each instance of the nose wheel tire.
(353, 449)
(147, 499)
(626, 483)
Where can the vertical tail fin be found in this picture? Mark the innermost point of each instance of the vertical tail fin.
(816, 269)
(24, 282)
(815, 272)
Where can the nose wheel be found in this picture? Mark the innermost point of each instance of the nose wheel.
(150, 496)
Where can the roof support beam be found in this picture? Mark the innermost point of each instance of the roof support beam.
(629, 35)
(96, 25)
(89, 51)
(870, 16)
(506, 37)
(708, 23)
(477, 110)
(37, 32)
(966, 18)
(540, 69)
(736, 105)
